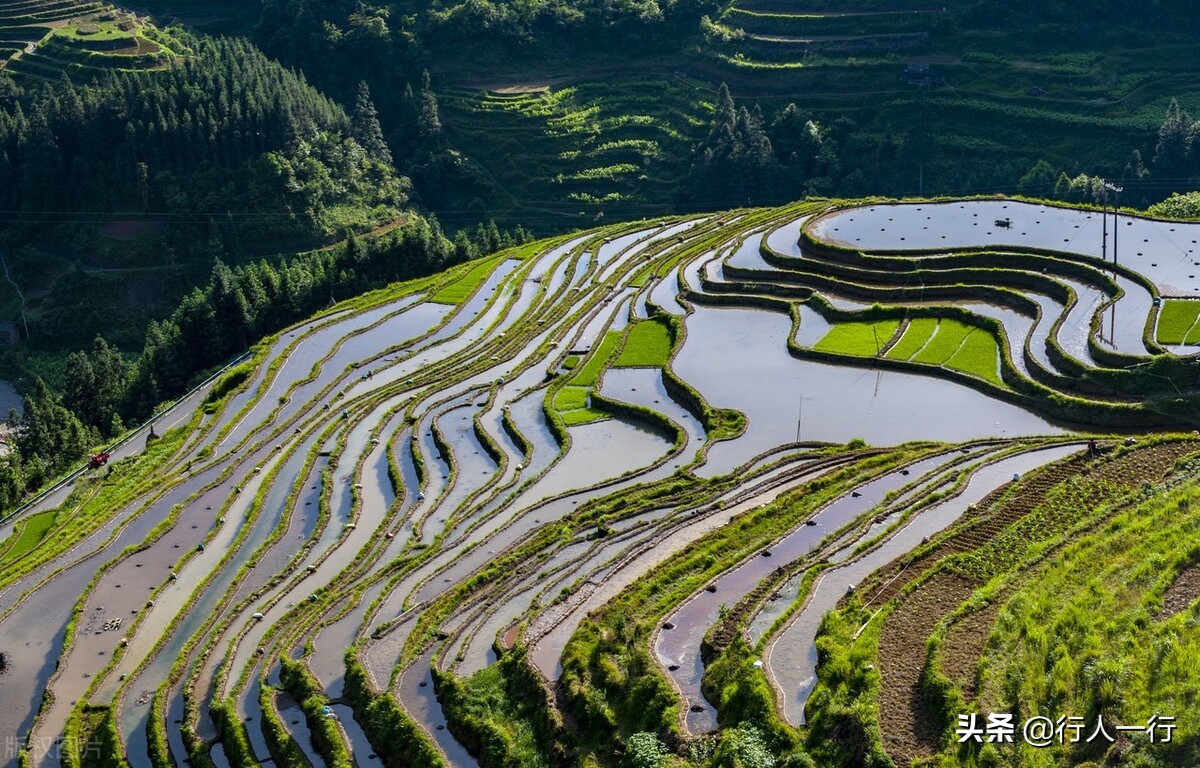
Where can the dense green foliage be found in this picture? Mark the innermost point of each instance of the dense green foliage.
(642, 80)
(1112, 661)
(26, 535)
(500, 714)
(239, 306)
(235, 309)
(224, 124)
(1177, 206)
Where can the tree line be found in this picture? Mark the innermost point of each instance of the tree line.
(224, 123)
(1174, 163)
(747, 159)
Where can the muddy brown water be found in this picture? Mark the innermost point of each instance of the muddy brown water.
(551, 631)
(376, 500)
(33, 634)
(361, 751)
(777, 603)
(415, 693)
(297, 725)
(298, 364)
(475, 468)
(198, 609)
(599, 452)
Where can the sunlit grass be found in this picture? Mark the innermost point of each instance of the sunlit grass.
(915, 336)
(648, 345)
(863, 339)
(1177, 322)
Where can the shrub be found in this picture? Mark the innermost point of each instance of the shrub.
(645, 750)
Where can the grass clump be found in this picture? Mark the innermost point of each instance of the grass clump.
(1090, 635)
(570, 399)
(496, 717)
(571, 402)
(462, 288)
(589, 374)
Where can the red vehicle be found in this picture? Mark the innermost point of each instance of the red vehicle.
(98, 460)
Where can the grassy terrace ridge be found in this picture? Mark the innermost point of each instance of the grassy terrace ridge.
(461, 289)
(1095, 545)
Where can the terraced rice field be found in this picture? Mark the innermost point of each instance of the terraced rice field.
(41, 39)
(1177, 323)
(778, 33)
(610, 484)
(621, 140)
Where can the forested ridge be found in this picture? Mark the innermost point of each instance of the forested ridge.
(1078, 87)
(224, 126)
(214, 161)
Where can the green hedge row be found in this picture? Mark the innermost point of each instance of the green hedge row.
(326, 736)
(399, 742)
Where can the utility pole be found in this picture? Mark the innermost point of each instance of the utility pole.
(1116, 231)
(1104, 223)
(800, 417)
(1109, 187)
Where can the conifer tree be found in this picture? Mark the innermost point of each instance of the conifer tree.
(364, 126)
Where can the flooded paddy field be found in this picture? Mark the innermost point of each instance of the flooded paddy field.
(657, 447)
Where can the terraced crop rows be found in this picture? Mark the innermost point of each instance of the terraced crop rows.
(41, 39)
(620, 142)
(413, 504)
